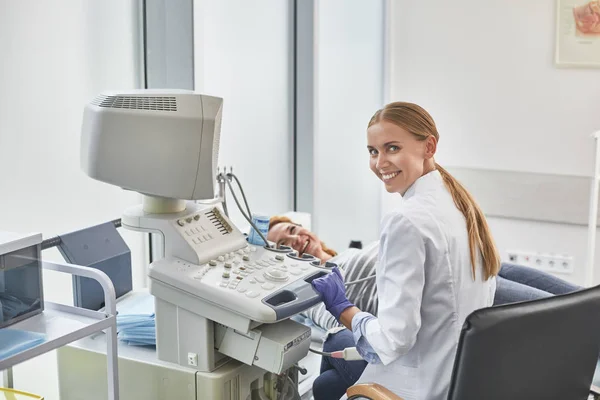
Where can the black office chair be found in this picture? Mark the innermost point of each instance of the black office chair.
(540, 349)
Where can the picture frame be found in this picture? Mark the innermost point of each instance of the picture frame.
(578, 33)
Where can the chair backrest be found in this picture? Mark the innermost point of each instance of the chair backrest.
(541, 349)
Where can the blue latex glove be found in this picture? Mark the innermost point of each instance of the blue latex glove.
(332, 291)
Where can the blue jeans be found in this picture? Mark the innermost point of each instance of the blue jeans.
(517, 283)
(337, 375)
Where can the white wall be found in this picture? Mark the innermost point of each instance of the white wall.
(349, 89)
(243, 54)
(485, 71)
(56, 56)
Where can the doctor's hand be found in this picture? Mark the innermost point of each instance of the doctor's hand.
(332, 291)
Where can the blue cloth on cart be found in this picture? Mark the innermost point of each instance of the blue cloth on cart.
(13, 341)
(136, 322)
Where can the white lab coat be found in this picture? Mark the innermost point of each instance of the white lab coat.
(426, 291)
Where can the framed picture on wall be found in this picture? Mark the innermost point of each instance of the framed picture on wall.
(578, 33)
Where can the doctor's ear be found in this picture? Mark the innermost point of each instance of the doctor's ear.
(430, 146)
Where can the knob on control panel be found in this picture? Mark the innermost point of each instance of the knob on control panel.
(277, 275)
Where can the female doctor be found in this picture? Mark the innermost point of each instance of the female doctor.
(437, 264)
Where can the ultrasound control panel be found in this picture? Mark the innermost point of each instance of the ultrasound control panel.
(261, 284)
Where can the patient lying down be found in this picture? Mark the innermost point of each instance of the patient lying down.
(514, 282)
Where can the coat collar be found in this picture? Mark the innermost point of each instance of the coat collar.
(425, 183)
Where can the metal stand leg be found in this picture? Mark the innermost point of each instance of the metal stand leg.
(7, 378)
(112, 363)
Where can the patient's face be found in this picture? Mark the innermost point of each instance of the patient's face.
(300, 239)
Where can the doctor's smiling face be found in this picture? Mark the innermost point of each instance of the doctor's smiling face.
(401, 146)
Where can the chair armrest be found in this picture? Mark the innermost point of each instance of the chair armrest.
(372, 391)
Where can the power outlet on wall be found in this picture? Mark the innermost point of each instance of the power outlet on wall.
(556, 263)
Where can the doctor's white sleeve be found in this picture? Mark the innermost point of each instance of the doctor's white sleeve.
(400, 282)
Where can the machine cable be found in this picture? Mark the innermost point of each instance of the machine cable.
(232, 175)
(349, 353)
(247, 217)
(287, 383)
(221, 181)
